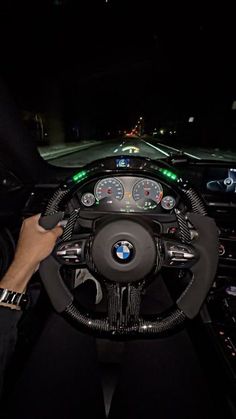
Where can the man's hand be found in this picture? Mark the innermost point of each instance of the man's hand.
(34, 245)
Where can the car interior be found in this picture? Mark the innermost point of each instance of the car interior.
(149, 232)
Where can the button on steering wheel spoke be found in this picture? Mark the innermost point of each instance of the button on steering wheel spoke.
(178, 254)
(72, 252)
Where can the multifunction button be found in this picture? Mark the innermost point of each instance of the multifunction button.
(71, 252)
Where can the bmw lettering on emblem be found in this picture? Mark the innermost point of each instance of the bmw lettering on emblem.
(123, 251)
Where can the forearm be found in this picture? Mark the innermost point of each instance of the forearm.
(34, 245)
(17, 276)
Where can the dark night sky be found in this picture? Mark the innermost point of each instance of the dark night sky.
(114, 61)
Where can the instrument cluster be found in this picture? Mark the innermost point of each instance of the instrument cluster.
(127, 194)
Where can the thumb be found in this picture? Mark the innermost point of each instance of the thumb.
(57, 231)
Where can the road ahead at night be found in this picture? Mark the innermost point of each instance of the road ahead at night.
(151, 148)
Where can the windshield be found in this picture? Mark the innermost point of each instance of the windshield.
(118, 78)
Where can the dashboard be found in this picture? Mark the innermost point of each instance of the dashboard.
(127, 194)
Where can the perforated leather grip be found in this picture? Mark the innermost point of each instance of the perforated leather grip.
(204, 270)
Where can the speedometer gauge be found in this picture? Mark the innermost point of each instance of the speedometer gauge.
(147, 193)
(109, 188)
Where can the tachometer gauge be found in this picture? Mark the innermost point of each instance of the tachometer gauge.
(147, 193)
(109, 188)
(88, 199)
(168, 202)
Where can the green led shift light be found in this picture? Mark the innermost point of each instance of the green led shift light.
(168, 174)
(79, 176)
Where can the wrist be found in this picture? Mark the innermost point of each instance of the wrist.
(17, 276)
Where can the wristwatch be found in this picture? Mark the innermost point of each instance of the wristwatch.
(18, 299)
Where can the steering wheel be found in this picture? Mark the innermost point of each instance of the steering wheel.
(125, 251)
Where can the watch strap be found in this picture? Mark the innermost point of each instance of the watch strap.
(13, 298)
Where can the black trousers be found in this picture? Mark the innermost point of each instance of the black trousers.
(159, 378)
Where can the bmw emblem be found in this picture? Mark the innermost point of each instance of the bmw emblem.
(123, 251)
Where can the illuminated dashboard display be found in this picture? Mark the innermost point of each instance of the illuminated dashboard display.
(110, 188)
(123, 163)
(147, 193)
(221, 180)
(127, 194)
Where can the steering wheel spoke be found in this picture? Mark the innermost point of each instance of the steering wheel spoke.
(123, 304)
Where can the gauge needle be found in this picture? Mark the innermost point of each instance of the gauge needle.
(106, 190)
